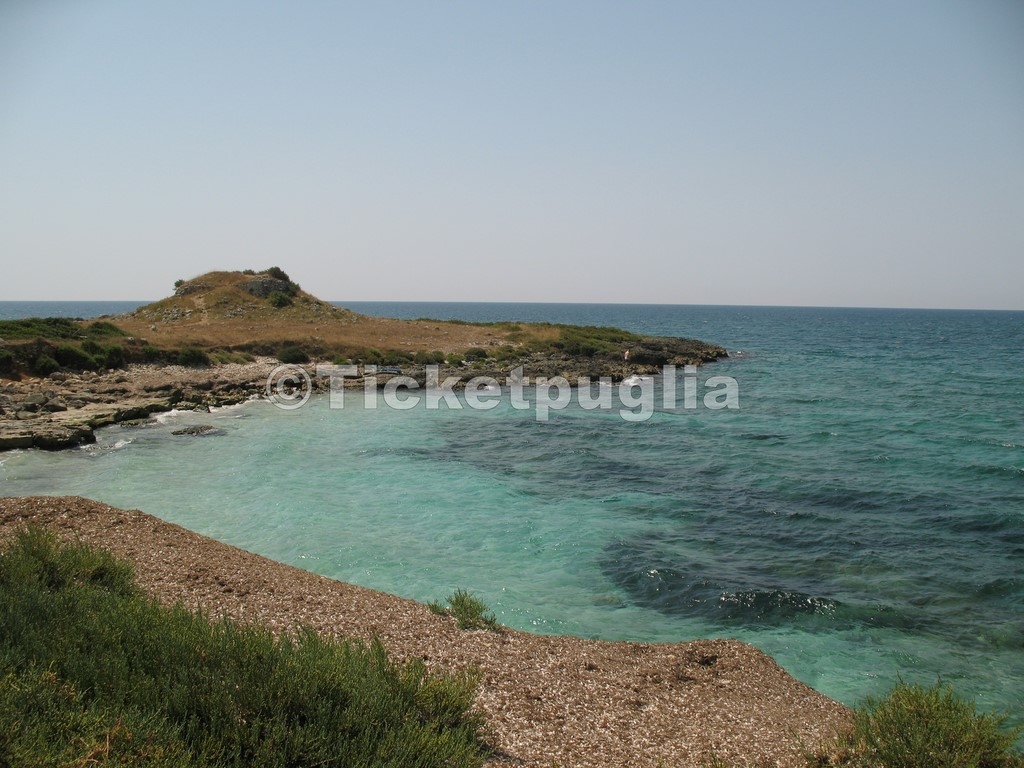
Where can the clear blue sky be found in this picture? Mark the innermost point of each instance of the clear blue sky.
(807, 153)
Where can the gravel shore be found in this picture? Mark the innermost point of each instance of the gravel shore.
(548, 700)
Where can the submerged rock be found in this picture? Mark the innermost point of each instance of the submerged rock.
(198, 429)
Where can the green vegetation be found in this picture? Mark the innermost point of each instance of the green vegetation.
(469, 611)
(221, 356)
(40, 327)
(591, 341)
(192, 357)
(152, 354)
(101, 329)
(70, 356)
(279, 299)
(93, 672)
(918, 727)
(279, 274)
(6, 361)
(475, 353)
(293, 355)
(113, 356)
(45, 365)
(347, 355)
(428, 358)
(56, 328)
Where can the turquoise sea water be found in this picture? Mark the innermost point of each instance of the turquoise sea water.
(859, 517)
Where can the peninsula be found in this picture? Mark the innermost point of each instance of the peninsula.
(215, 340)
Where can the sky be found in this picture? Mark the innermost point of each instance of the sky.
(789, 153)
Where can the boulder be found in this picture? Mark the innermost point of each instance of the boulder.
(264, 285)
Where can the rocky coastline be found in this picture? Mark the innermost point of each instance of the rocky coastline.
(64, 409)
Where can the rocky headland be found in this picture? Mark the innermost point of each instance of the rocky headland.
(216, 340)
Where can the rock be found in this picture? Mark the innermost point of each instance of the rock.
(198, 429)
(11, 438)
(264, 285)
(54, 437)
(55, 405)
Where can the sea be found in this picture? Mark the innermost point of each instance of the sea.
(857, 511)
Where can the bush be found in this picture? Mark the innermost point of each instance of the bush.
(469, 611)
(113, 356)
(371, 356)
(428, 358)
(40, 327)
(45, 365)
(278, 274)
(151, 354)
(193, 357)
(70, 356)
(92, 667)
(293, 356)
(476, 353)
(222, 356)
(101, 329)
(916, 727)
(279, 299)
(6, 361)
(92, 347)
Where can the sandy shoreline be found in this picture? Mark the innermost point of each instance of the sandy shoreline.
(561, 700)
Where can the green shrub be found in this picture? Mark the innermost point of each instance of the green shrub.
(40, 327)
(92, 667)
(7, 361)
(101, 329)
(428, 358)
(70, 356)
(469, 611)
(152, 354)
(917, 727)
(279, 300)
(113, 356)
(293, 356)
(278, 274)
(371, 356)
(45, 365)
(476, 353)
(454, 359)
(92, 347)
(226, 356)
(193, 357)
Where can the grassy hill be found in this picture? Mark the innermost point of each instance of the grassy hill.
(231, 316)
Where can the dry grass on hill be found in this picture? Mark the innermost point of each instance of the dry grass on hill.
(213, 310)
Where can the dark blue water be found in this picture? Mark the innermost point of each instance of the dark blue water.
(13, 310)
(860, 516)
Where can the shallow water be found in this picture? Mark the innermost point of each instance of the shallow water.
(859, 517)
